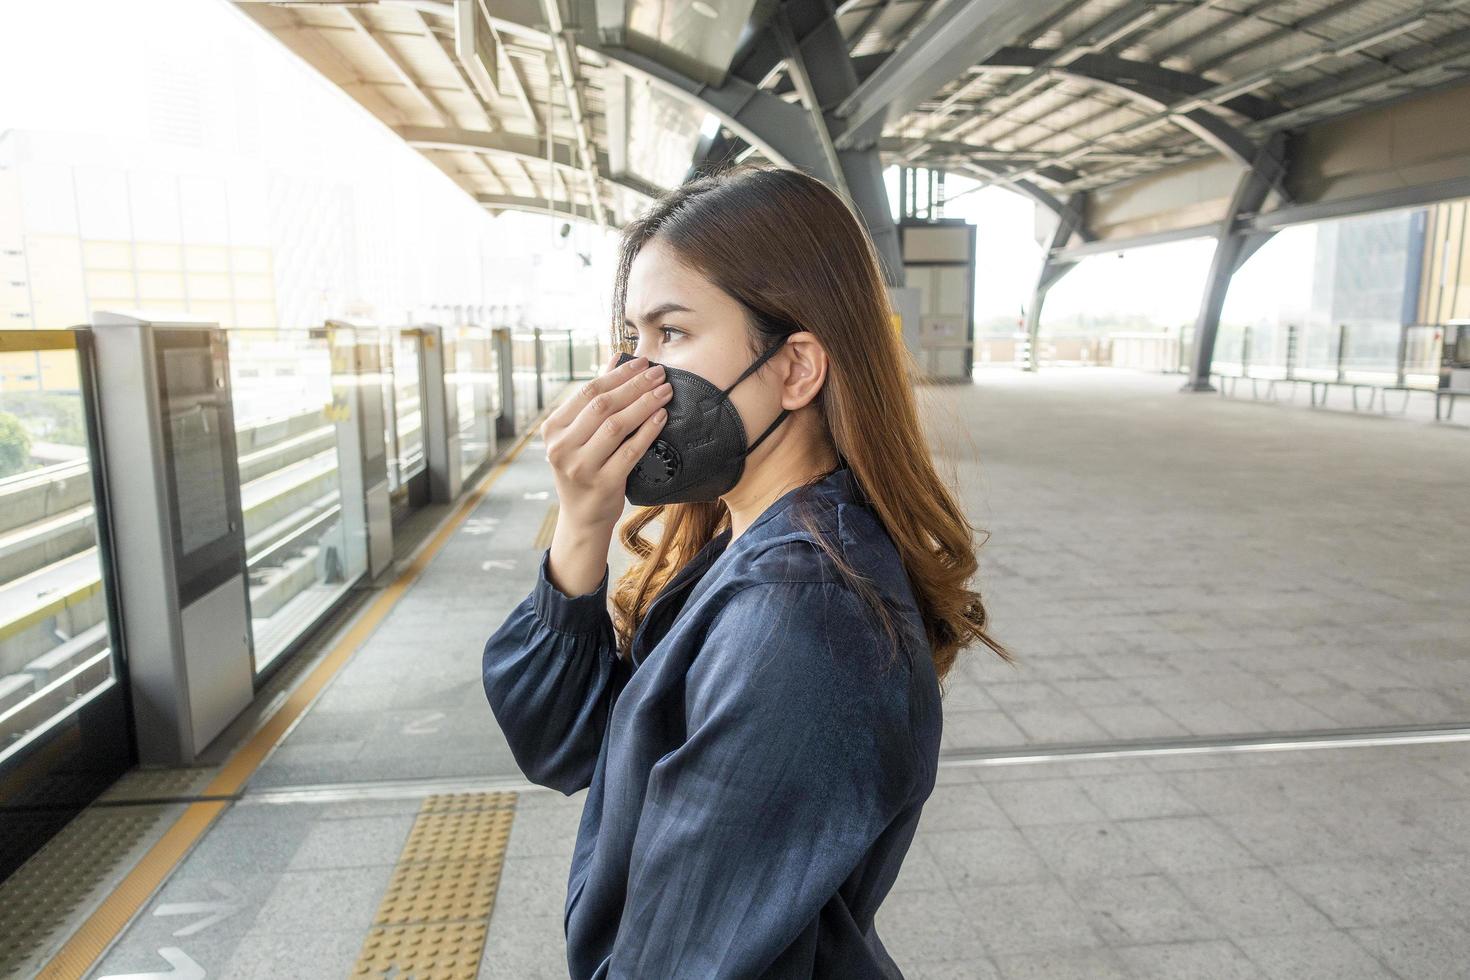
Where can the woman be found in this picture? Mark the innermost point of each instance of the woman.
(759, 729)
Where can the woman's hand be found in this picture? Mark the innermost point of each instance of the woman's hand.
(593, 441)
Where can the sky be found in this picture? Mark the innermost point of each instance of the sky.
(45, 84)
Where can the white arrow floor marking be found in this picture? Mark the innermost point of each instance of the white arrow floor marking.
(213, 912)
(480, 525)
(427, 725)
(184, 968)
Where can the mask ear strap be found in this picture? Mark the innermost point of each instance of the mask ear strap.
(755, 366)
(769, 429)
(784, 412)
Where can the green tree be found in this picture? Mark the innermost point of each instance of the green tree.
(15, 446)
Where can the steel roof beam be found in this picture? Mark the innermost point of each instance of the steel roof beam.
(407, 79)
(1301, 26)
(522, 90)
(1418, 195)
(759, 118)
(1182, 11)
(523, 149)
(1105, 246)
(1096, 37)
(567, 62)
(528, 148)
(866, 24)
(960, 34)
(1231, 92)
(1447, 71)
(1142, 76)
(1147, 85)
(995, 175)
(535, 205)
(400, 70)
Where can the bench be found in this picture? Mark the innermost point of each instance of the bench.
(1315, 383)
(1234, 379)
(1407, 390)
(1378, 392)
(1440, 394)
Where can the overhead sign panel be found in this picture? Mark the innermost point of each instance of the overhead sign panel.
(476, 47)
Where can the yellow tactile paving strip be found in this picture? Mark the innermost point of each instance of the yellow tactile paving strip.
(48, 888)
(432, 921)
(78, 955)
(87, 944)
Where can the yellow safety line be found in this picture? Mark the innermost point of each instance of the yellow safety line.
(89, 942)
(25, 341)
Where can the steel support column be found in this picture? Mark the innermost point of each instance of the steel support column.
(1053, 268)
(817, 61)
(1234, 244)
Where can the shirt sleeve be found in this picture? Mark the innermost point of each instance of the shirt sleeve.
(551, 672)
(797, 757)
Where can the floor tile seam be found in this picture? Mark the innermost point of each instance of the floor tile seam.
(1374, 737)
(391, 789)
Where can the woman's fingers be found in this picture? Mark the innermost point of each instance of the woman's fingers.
(607, 404)
(615, 415)
(568, 411)
(627, 455)
(615, 428)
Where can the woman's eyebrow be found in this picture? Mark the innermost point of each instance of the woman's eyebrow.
(660, 310)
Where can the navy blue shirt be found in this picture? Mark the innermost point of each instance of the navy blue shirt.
(757, 768)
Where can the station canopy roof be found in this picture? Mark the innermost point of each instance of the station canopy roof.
(590, 107)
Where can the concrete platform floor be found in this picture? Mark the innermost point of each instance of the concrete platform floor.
(1168, 564)
(1164, 566)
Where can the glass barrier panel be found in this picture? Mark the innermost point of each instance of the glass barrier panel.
(1423, 344)
(587, 356)
(556, 352)
(1372, 352)
(568, 356)
(474, 383)
(523, 348)
(290, 485)
(387, 351)
(56, 651)
(407, 370)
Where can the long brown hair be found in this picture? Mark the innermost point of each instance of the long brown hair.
(785, 246)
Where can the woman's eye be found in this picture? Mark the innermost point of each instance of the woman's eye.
(630, 339)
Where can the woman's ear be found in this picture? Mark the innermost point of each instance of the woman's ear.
(803, 369)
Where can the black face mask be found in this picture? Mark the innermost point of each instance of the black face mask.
(700, 452)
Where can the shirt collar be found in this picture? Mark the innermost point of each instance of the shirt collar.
(838, 486)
